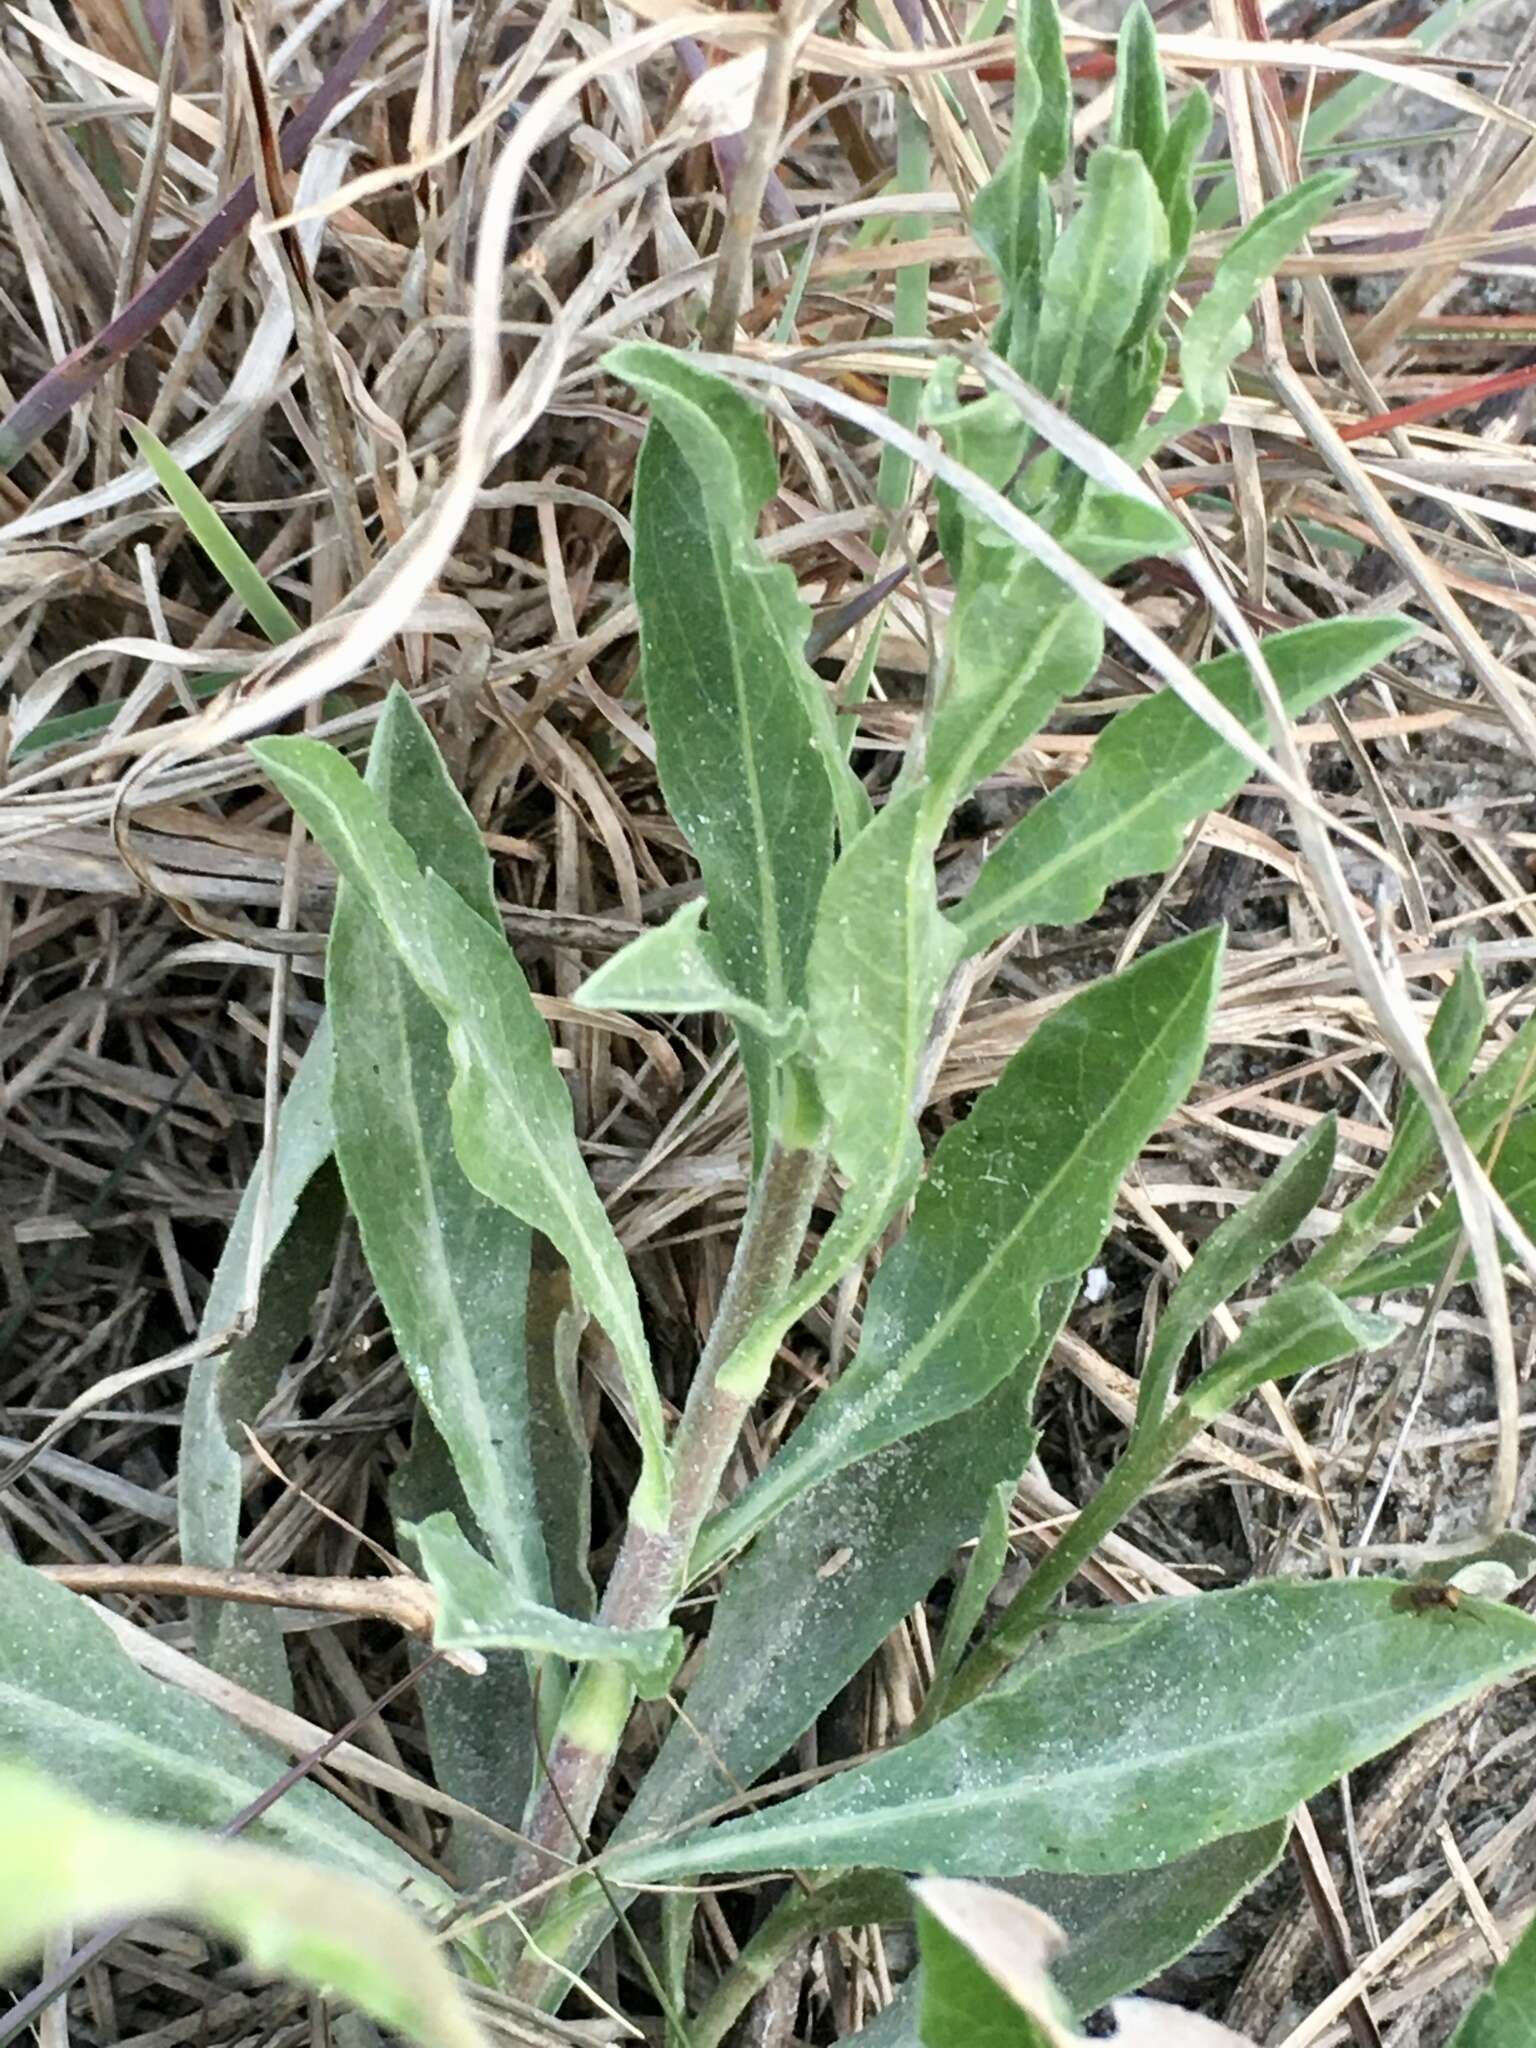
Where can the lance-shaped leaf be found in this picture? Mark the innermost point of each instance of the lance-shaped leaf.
(1124, 1929)
(1301, 1327)
(1140, 117)
(1217, 331)
(477, 1715)
(513, 1126)
(1153, 771)
(1484, 1111)
(1423, 1260)
(1412, 1165)
(63, 1862)
(1233, 1253)
(1018, 1196)
(1121, 1930)
(789, 1630)
(1019, 642)
(1011, 216)
(1096, 281)
(231, 1387)
(989, 435)
(879, 959)
(450, 1264)
(478, 1608)
(676, 968)
(1504, 2016)
(1173, 174)
(878, 963)
(983, 1569)
(747, 749)
(1131, 1738)
(1454, 1040)
(74, 1705)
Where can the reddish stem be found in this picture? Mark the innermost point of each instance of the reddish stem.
(82, 369)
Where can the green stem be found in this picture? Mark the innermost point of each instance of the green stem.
(1147, 1457)
(649, 1573)
(855, 1899)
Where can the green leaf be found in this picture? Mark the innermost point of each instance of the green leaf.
(480, 1609)
(879, 960)
(63, 1862)
(788, 1632)
(1233, 1253)
(1217, 331)
(1126, 1928)
(747, 747)
(1302, 1326)
(675, 968)
(1096, 280)
(1140, 118)
(1155, 768)
(1018, 644)
(207, 528)
(1412, 1163)
(1110, 529)
(1504, 2016)
(305, 1137)
(451, 1266)
(73, 1704)
(1413, 1167)
(1018, 1196)
(1134, 1737)
(989, 435)
(1422, 1261)
(960, 1929)
(1039, 32)
(478, 1714)
(1454, 1040)
(983, 1569)
(230, 1388)
(1123, 1929)
(1011, 216)
(1173, 174)
(513, 1126)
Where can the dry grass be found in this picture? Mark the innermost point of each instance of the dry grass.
(416, 444)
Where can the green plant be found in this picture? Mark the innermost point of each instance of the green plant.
(1081, 1749)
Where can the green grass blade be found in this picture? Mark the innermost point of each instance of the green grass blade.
(207, 528)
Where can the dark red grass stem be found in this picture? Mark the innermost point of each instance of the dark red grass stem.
(78, 374)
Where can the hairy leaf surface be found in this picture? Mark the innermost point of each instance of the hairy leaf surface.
(1210, 1715)
(1155, 769)
(1017, 1196)
(513, 1125)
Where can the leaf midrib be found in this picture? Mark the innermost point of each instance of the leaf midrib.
(991, 1799)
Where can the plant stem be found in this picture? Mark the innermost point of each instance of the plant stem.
(1146, 1457)
(652, 1564)
(853, 1899)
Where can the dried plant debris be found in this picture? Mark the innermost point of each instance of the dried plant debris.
(911, 621)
